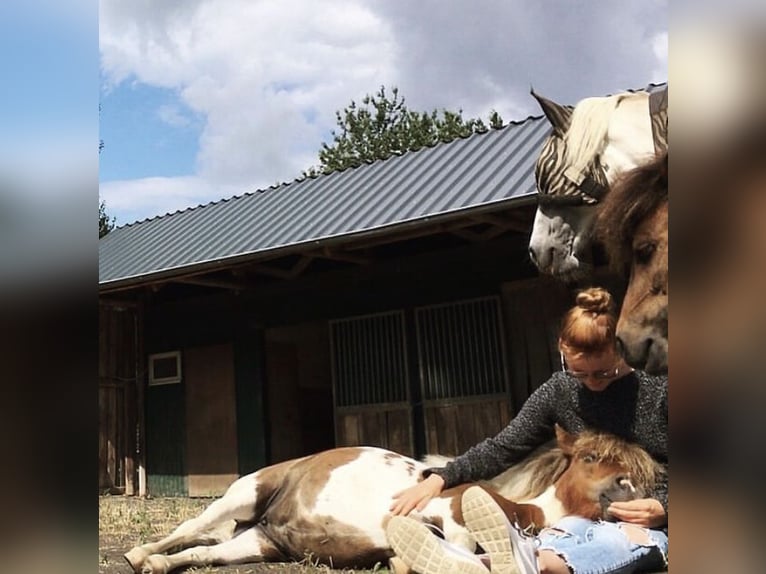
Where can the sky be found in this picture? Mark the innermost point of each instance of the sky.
(206, 99)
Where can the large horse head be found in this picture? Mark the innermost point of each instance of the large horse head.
(589, 145)
(633, 226)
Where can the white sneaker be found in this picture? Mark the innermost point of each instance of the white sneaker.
(510, 551)
(426, 553)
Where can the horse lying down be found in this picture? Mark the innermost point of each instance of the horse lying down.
(333, 506)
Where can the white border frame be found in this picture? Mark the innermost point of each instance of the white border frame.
(165, 380)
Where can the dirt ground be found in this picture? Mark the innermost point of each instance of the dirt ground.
(124, 522)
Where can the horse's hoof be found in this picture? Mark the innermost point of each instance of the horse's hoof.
(156, 564)
(136, 558)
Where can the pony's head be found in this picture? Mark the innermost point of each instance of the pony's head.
(602, 469)
(633, 226)
(588, 147)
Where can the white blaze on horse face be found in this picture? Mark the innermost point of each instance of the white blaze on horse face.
(360, 493)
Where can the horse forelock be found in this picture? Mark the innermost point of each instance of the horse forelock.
(636, 195)
(586, 137)
(643, 470)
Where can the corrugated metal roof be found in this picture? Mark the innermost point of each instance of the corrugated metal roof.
(470, 173)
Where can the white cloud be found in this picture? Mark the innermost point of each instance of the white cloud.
(660, 49)
(266, 77)
(135, 199)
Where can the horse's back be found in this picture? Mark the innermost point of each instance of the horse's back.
(342, 494)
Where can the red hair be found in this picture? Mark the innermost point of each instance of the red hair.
(590, 326)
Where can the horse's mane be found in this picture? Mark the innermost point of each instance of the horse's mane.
(635, 195)
(526, 479)
(530, 477)
(586, 136)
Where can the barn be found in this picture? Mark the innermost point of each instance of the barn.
(392, 304)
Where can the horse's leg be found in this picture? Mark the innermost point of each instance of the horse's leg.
(250, 545)
(239, 503)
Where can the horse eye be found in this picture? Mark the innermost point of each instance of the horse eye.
(643, 253)
(589, 458)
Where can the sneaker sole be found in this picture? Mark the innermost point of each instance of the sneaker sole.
(422, 551)
(480, 513)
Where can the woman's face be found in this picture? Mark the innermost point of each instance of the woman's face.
(594, 370)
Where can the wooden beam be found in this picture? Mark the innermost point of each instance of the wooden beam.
(411, 234)
(328, 253)
(203, 281)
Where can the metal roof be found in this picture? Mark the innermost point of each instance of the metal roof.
(477, 172)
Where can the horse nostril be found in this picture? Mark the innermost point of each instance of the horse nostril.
(532, 256)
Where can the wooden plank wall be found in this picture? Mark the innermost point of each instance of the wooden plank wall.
(211, 420)
(118, 399)
(533, 311)
(387, 426)
(454, 426)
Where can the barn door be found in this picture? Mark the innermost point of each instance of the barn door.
(463, 375)
(370, 382)
(211, 420)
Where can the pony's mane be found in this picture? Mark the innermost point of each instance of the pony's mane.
(635, 195)
(643, 469)
(586, 137)
(533, 475)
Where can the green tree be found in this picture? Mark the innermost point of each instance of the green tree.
(383, 126)
(105, 224)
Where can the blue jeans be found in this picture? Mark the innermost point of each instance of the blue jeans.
(599, 547)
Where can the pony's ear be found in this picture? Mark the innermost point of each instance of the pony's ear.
(564, 439)
(559, 116)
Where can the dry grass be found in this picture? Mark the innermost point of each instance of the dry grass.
(124, 522)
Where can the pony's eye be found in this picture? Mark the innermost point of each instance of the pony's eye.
(643, 252)
(589, 458)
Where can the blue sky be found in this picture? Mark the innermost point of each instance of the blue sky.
(49, 56)
(50, 63)
(205, 99)
(147, 131)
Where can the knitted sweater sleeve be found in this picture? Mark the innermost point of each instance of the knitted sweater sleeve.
(532, 427)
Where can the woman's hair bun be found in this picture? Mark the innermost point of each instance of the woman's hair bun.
(595, 300)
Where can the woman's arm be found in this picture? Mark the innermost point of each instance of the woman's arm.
(532, 427)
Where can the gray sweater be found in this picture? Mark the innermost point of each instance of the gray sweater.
(634, 407)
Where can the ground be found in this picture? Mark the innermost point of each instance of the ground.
(124, 522)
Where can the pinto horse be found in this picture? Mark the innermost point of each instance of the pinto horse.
(632, 224)
(590, 145)
(333, 506)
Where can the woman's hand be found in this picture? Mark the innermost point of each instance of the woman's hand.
(417, 496)
(646, 512)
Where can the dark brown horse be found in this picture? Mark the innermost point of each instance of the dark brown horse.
(632, 223)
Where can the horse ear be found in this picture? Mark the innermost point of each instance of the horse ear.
(564, 439)
(559, 116)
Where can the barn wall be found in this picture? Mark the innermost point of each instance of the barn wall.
(226, 385)
(281, 366)
(118, 397)
(298, 390)
(211, 420)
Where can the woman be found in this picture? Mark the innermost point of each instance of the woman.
(596, 389)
